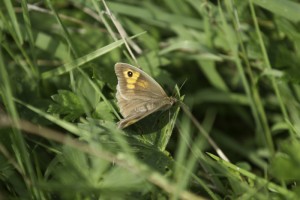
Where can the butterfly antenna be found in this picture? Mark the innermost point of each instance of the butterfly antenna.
(182, 84)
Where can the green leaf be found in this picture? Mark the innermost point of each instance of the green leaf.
(66, 104)
(102, 111)
(90, 176)
(289, 160)
(86, 90)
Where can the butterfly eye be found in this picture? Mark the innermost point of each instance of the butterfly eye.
(129, 73)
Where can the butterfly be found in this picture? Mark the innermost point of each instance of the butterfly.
(138, 94)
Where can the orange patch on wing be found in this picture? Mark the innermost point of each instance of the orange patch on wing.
(130, 86)
(131, 79)
(143, 84)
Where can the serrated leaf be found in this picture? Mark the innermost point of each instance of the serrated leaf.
(66, 104)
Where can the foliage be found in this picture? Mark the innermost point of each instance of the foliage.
(237, 63)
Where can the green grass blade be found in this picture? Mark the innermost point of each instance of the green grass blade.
(84, 59)
(285, 8)
(14, 22)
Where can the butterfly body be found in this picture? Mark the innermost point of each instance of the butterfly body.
(138, 94)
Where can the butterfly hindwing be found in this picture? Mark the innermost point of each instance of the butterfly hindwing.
(136, 116)
(136, 106)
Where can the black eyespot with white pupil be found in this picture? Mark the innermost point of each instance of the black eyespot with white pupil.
(129, 73)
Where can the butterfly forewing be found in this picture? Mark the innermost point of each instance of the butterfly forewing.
(133, 83)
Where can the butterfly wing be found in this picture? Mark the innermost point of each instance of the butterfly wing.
(136, 88)
(132, 79)
(138, 94)
(140, 111)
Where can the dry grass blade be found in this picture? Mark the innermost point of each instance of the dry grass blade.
(122, 161)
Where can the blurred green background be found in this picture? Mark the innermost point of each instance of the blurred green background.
(234, 63)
